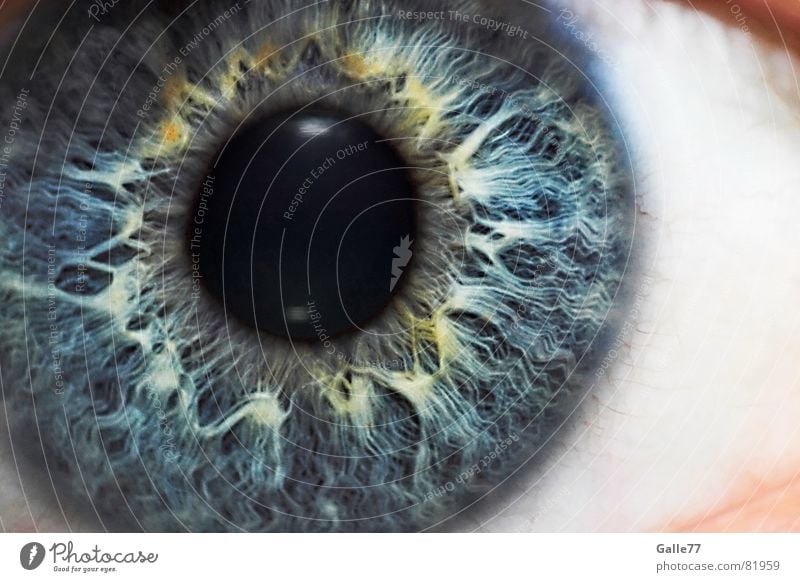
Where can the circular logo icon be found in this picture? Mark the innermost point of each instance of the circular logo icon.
(31, 555)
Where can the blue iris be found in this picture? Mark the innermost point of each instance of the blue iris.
(168, 413)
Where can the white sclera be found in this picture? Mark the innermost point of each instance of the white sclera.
(702, 406)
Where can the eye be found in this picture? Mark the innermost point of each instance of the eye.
(691, 422)
(339, 267)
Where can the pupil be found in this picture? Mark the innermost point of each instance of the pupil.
(305, 226)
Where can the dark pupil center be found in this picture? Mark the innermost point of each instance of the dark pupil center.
(305, 227)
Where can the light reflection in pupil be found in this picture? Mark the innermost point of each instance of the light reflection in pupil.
(179, 420)
(305, 223)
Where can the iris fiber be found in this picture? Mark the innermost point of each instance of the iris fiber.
(171, 415)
